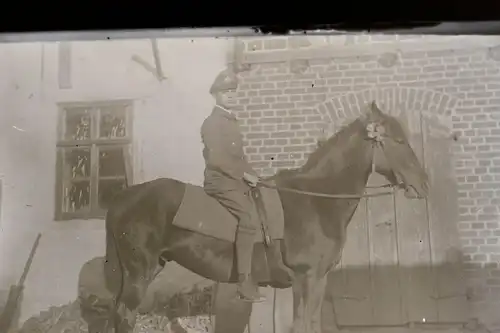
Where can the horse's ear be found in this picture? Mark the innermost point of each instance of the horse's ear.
(370, 113)
(322, 138)
(375, 110)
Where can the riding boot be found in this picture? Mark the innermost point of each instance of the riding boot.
(280, 273)
(247, 289)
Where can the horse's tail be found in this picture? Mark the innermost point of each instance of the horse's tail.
(115, 270)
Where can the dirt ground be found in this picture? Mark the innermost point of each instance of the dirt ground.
(473, 328)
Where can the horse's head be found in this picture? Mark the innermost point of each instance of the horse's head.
(393, 156)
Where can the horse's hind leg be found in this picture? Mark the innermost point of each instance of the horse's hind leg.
(95, 300)
(97, 303)
(129, 269)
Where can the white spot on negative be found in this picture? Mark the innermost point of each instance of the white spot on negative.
(17, 128)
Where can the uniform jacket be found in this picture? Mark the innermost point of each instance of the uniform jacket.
(225, 161)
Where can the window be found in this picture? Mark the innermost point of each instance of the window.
(93, 157)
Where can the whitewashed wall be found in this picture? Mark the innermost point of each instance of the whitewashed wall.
(166, 143)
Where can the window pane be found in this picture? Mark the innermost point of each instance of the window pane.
(76, 179)
(77, 163)
(77, 123)
(108, 188)
(113, 122)
(111, 162)
(76, 196)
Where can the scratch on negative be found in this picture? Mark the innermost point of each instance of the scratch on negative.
(17, 128)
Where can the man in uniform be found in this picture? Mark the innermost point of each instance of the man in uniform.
(229, 176)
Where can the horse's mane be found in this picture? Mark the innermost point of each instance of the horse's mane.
(339, 139)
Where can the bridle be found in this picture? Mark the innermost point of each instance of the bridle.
(376, 134)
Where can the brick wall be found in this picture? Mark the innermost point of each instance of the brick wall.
(285, 107)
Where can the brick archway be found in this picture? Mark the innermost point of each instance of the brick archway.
(399, 254)
(431, 104)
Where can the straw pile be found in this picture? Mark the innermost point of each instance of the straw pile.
(182, 313)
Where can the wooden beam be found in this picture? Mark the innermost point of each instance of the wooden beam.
(64, 66)
(146, 65)
(156, 55)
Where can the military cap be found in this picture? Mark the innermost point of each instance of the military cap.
(226, 80)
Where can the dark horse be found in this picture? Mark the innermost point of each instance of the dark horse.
(319, 200)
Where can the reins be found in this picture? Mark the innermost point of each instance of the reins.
(332, 196)
(339, 196)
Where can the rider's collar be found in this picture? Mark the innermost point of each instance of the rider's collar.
(226, 113)
(223, 108)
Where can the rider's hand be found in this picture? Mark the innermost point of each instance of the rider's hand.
(251, 180)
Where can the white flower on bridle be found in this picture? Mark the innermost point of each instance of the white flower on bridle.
(375, 132)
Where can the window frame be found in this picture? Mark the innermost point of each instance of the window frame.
(94, 144)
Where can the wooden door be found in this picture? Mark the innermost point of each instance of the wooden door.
(402, 262)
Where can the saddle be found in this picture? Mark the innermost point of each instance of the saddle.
(202, 213)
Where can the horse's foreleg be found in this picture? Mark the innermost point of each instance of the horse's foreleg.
(298, 304)
(231, 314)
(315, 295)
